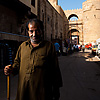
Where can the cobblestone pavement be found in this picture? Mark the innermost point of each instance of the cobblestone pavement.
(80, 73)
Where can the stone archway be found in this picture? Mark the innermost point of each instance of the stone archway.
(72, 15)
(74, 36)
(76, 25)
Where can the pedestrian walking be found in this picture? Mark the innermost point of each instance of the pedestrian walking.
(37, 65)
(57, 46)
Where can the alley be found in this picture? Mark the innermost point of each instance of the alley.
(81, 78)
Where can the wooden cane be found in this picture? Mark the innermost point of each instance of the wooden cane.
(8, 87)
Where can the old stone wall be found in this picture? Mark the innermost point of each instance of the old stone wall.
(91, 20)
(90, 16)
(53, 20)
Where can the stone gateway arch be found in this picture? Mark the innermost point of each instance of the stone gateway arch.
(87, 25)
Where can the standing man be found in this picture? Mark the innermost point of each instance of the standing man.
(83, 47)
(37, 65)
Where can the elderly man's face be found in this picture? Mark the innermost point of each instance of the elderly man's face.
(34, 33)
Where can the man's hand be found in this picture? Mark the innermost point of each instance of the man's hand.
(7, 70)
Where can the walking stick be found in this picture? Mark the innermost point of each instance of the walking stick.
(8, 87)
(8, 77)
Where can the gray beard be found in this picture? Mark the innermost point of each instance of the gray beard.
(34, 41)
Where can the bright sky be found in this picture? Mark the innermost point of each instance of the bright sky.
(70, 4)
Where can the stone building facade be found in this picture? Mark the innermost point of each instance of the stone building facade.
(53, 18)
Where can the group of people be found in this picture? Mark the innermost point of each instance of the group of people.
(79, 47)
(37, 64)
(68, 48)
(61, 49)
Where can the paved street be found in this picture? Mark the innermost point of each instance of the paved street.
(81, 78)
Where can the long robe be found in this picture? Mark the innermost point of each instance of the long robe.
(39, 73)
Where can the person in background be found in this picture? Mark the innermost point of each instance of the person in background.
(57, 46)
(83, 47)
(36, 63)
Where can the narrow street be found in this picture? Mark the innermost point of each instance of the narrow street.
(81, 78)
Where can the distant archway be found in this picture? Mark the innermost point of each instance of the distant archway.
(73, 34)
(72, 31)
(72, 15)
